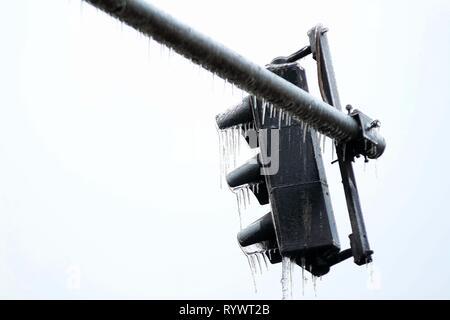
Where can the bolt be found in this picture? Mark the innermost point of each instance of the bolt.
(374, 124)
(349, 108)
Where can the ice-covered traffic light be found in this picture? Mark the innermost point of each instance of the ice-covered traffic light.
(290, 175)
(288, 172)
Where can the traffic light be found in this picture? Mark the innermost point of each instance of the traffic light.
(289, 173)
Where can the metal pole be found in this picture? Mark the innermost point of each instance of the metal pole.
(359, 241)
(231, 66)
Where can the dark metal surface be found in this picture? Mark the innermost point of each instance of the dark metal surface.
(358, 239)
(303, 52)
(258, 231)
(298, 192)
(231, 66)
(367, 144)
(301, 223)
(248, 173)
(239, 114)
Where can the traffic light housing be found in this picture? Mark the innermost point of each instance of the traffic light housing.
(290, 174)
(301, 222)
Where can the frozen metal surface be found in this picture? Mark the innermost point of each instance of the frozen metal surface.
(231, 66)
(362, 253)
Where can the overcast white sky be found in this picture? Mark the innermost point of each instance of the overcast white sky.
(109, 167)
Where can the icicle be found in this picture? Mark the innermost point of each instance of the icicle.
(238, 200)
(238, 140)
(314, 281)
(247, 191)
(259, 262)
(255, 262)
(374, 277)
(263, 110)
(305, 131)
(252, 271)
(220, 159)
(323, 143)
(303, 275)
(332, 150)
(280, 118)
(242, 199)
(371, 272)
(161, 49)
(244, 196)
(238, 193)
(233, 146)
(236, 146)
(228, 150)
(225, 149)
(291, 272)
(265, 260)
(285, 278)
(230, 147)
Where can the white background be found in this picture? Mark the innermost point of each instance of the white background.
(109, 165)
